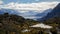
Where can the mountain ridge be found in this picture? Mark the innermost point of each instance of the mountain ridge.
(54, 13)
(25, 14)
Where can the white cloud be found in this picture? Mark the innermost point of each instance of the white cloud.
(1, 2)
(32, 6)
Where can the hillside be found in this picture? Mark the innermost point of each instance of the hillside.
(54, 13)
(10, 24)
(14, 24)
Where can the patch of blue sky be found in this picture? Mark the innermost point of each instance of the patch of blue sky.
(29, 1)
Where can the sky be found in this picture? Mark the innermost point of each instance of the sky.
(28, 5)
(29, 1)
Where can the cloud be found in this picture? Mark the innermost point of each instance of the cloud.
(41, 6)
(1, 2)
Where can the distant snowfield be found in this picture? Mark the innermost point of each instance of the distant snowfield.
(41, 25)
(32, 17)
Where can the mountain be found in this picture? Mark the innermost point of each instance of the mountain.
(17, 12)
(35, 15)
(44, 13)
(29, 14)
(10, 11)
(54, 13)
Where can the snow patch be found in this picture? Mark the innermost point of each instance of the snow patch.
(42, 26)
